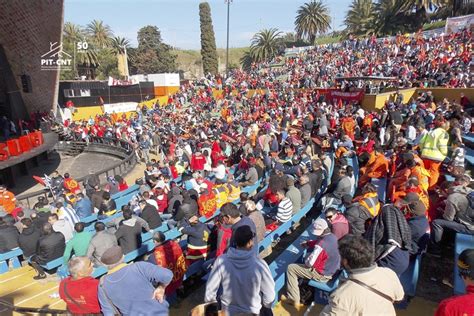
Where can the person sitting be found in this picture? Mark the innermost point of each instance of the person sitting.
(239, 268)
(100, 242)
(457, 216)
(51, 246)
(168, 254)
(320, 264)
(108, 206)
(29, 237)
(390, 236)
(150, 214)
(359, 293)
(338, 189)
(78, 244)
(198, 235)
(419, 227)
(8, 234)
(305, 189)
(251, 176)
(294, 195)
(83, 206)
(338, 222)
(79, 291)
(129, 232)
(231, 216)
(62, 226)
(125, 285)
(285, 208)
(207, 201)
(462, 304)
(376, 167)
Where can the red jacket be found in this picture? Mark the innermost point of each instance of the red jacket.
(84, 292)
(198, 162)
(458, 305)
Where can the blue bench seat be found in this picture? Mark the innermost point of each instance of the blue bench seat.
(12, 256)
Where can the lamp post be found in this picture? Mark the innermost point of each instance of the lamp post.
(227, 47)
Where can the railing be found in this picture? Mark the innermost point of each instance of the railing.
(104, 145)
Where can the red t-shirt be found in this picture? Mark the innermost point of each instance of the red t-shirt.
(84, 292)
(458, 305)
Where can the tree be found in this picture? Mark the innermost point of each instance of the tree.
(119, 47)
(265, 44)
(392, 18)
(360, 18)
(73, 32)
(99, 33)
(152, 55)
(208, 40)
(312, 18)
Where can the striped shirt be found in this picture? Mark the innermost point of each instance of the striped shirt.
(458, 157)
(285, 210)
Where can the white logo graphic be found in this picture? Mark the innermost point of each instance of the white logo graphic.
(56, 58)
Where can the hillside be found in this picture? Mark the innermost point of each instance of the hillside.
(190, 60)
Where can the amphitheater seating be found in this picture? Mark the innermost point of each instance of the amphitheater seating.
(13, 256)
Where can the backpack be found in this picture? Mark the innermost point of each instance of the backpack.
(467, 217)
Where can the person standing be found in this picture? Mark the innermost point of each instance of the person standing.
(134, 289)
(434, 149)
(369, 290)
(240, 269)
(79, 290)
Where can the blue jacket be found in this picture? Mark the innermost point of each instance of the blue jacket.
(131, 290)
(83, 208)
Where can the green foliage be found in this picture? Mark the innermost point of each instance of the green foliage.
(291, 40)
(312, 18)
(152, 55)
(99, 33)
(360, 19)
(265, 44)
(434, 25)
(208, 41)
(119, 44)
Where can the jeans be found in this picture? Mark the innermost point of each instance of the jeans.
(439, 225)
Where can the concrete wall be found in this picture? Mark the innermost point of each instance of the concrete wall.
(26, 30)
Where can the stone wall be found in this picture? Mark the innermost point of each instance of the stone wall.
(26, 30)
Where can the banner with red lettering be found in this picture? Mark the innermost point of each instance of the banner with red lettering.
(336, 95)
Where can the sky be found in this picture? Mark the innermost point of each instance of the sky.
(178, 20)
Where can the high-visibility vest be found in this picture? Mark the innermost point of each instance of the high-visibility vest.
(434, 145)
(371, 202)
(422, 175)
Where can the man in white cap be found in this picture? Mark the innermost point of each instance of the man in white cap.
(321, 262)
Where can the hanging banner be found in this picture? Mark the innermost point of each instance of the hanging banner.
(335, 95)
(120, 107)
(456, 24)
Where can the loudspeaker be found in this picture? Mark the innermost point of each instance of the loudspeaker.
(26, 83)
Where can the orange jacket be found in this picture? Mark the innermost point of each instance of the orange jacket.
(7, 201)
(348, 126)
(370, 202)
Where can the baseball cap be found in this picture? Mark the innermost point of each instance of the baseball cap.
(319, 226)
(466, 263)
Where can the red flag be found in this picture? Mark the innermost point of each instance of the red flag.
(39, 180)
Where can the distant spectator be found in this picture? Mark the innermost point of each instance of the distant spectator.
(83, 206)
(150, 214)
(29, 237)
(129, 233)
(8, 234)
(61, 226)
(100, 242)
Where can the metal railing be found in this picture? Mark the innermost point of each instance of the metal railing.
(113, 146)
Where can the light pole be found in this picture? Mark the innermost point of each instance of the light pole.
(227, 48)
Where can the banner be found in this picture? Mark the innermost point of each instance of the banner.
(116, 82)
(456, 24)
(120, 107)
(336, 95)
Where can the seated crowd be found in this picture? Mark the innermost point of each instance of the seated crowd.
(394, 184)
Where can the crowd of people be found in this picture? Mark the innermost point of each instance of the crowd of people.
(409, 189)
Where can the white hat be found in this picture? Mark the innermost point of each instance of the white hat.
(319, 226)
(203, 185)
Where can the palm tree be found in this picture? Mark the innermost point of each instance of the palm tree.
(392, 18)
(99, 33)
(360, 18)
(73, 32)
(265, 44)
(87, 62)
(312, 18)
(247, 60)
(119, 47)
